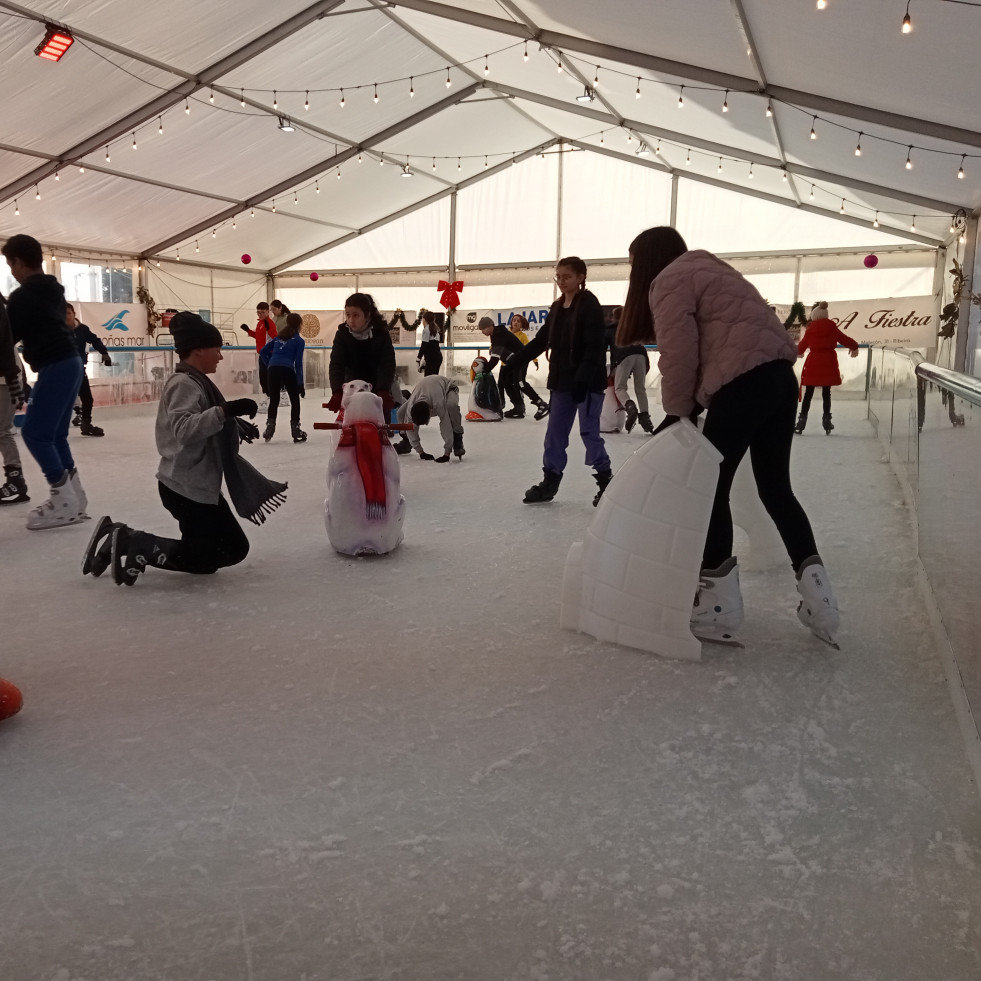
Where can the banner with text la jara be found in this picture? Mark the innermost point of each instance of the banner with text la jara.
(465, 322)
(903, 321)
(115, 324)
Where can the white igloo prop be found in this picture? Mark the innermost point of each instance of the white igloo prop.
(634, 577)
(365, 508)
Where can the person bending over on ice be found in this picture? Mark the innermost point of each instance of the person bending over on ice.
(435, 395)
(721, 347)
(573, 334)
(363, 351)
(37, 318)
(197, 435)
(83, 338)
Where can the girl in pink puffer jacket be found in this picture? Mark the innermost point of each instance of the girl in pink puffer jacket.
(724, 350)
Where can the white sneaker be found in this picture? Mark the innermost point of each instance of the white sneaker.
(818, 608)
(60, 509)
(718, 607)
(83, 501)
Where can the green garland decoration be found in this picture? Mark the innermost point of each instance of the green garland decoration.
(399, 318)
(152, 317)
(797, 318)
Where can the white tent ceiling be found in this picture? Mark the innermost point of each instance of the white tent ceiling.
(847, 72)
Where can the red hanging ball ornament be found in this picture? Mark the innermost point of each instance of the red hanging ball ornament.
(871, 261)
(315, 276)
(11, 699)
(246, 258)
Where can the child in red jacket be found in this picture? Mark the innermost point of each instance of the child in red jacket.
(821, 367)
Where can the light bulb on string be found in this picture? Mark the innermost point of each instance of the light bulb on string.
(657, 149)
(858, 146)
(187, 108)
(306, 101)
(196, 248)
(275, 100)
(912, 224)
(178, 255)
(274, 206)
(596, 77)
(559, 65)
(81, 168)
(637, 93)
(252, 213)
(750, 171)
(681, 98)
(16, 207)
(784, 176)
(338, 172)
(769, 109)
(211, 97)
(234, 226)
(360, 157)
(811, 198)
(719, 169)
(434, 163)
(376, 93)
(160, 125)
(214, 232)
(909, 163)
(875, 221)
(458, 165)
(688, 159)
(37, 193)
(296, 200)
(486, 67)
(841, 210)
(449, 81)
(821, 4)
(134, 141)
(907, 23)
(242, 93)
(316, 186)
(485, 161)
(960, 170)
(341, 103)
(412, 91)
(814, 135)
(107, 154)
(526, 50)
(57, 177)
(602, 137)
(725, 102)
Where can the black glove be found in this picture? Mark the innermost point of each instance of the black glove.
(445, 458)
(243, 327)
(665, 422)
(247, 431)
(107, 361)
(242, 407)
(303, 392)
(423, 455)
(579, 391)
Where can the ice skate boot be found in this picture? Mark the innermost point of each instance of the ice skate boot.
(403, 446)
(546, 490)
(458, 450)
(87, 429)
(801, 423)
(299, 436)
(98, 552)
(603, 478)
(543, 408)
(644, 418)
(827, 423)
(83, 501)
(132, 552)
(718, 607)
(515, 413)
(818, 608)
(269, 431)
(14, 489)
(60, 509)
(632, 415)
(77, 417)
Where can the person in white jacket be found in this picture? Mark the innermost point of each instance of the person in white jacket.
(440, 396)
(724, 350)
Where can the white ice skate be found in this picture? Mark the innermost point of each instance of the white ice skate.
(60, 509)
(718, 607)
(818, 608)
(83, 500)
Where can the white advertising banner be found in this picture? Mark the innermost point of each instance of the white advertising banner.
(465, 322)
(116, 324)
(906, 321)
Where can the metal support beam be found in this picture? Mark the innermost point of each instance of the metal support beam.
(167, 99)
(317, 169)
(432, 199)
(966, 338)
(723, 80)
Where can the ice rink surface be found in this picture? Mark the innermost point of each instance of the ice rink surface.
(317, 768)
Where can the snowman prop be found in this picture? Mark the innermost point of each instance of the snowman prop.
(364, 509)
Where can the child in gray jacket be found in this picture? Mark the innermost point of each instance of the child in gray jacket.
(440, 396)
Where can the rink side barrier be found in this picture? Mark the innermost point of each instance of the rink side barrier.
(927, 418)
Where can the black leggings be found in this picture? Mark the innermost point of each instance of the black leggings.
(211, 538)
(755, 412)
(85, 397)
(279, 378)
(805, 404)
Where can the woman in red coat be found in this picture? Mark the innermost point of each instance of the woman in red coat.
(821, 367)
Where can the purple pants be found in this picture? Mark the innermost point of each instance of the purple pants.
(561, 416)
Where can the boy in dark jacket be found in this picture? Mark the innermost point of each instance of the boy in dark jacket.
(504, 345)
(83, 338)
(37, 320)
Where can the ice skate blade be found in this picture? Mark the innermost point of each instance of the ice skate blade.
(101, 531)
(720, 636)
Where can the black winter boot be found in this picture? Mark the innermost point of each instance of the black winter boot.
(603, 478)
(827, 423)
(644, 418)
(801, 423)
(546, 490)
(14, 489)
(458, 449)
(87, 429)
(632, 415)
(299, 436)
(403, 446)
(543, 408)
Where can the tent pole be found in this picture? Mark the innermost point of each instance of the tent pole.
(558, 220)
(673, 211)
(452, 265)
(966, 338)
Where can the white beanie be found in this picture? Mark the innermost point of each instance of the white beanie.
(819, 311)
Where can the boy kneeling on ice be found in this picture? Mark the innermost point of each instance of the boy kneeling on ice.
(197, 435)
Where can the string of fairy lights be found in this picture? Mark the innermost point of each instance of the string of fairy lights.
(289, 113)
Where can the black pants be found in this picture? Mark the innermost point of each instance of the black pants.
(432, 369)
(755, 412)
(510, 385)
(805, 404)
(85, 396)
(263, 382)
(280, 377)
(211, 538)
(529, 392)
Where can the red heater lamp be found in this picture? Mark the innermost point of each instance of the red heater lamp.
(56, 41)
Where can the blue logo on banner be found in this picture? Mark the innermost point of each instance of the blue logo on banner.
(116, 322)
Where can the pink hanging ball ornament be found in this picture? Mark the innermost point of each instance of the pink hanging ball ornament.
(871, 261)
(315, 276)
(246, 258)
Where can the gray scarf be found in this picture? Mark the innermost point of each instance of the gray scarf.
(253, 496)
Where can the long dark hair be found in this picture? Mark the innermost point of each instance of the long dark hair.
(576, 264)
(292, 327)
(366, 304)
(650, 252)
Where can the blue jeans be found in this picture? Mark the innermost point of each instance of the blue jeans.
(561, 416)
(49, 414)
